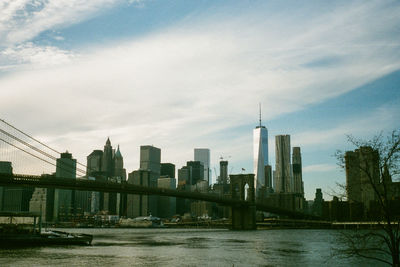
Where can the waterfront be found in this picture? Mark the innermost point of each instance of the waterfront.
(189, 247)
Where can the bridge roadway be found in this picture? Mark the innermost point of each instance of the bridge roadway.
(112, 187)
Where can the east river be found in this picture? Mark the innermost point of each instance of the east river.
(189, 247)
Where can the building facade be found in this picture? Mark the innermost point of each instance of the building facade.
(166, 205)
(362, 169)
(282, 175)
(197, 171)
(260, 154)
(203, 155)
(63, 198)
(297, 171)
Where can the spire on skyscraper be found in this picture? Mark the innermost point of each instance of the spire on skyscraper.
(260, 124)
(118, 153)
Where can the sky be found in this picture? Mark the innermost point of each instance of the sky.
(185, 74)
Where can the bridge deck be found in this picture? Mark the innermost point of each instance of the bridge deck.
(112, 187)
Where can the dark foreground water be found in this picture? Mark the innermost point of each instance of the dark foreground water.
(188, 247)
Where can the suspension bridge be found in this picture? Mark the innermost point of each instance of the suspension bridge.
(31, 158)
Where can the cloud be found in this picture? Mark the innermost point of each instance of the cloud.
(22, 20)
(383, 118)
(319, 168)
(188, 85)
(29, 55)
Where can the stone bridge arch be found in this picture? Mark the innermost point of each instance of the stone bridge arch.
(243, 217)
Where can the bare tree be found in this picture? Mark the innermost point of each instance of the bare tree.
(383, 244)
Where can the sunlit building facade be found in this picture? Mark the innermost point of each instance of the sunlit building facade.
(203, 155)
(283, 182)
(260, 149)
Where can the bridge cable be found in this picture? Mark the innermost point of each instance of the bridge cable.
(31, 137)
(36, 149)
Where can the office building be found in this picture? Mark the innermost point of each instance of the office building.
(223, 172)
(166, 205)
(13, 198)
(119, 170)
(139, 205)
(167, 169)
(197, 171)
(150, 159)
(107, 164)
(362, 164)
(297, 171)
(282, 175)
(93, 165)
(184, 176)
(260, 154)
(63, 198)
(147, 175)
(203, 155)
(268, 177)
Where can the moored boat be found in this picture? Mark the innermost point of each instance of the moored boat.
(23, 229)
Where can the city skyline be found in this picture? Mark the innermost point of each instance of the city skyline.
(72, 75)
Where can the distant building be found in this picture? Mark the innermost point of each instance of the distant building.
(63, 198)
(318, 202)
(147, 175)
(13, 198)
(297, 171)
(168, 169)
(268, 177)
(150, 159)
(5, 167)
(166, 205)
(119, 170)
(223, 172)
(203, 155)
(358, 184)
(185, 176)
(106, 165)
(94, 160)
(197, 171)
(260, 154)
(282, 174)
(139, 205)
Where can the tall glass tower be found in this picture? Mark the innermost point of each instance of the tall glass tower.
(260, 149)
(203, 155)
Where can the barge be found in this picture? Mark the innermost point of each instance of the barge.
(24, 229)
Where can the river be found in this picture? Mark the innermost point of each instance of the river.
(189, 247)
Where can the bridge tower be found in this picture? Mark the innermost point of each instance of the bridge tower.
(242, 188)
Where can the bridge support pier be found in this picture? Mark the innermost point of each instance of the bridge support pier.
(242, 188)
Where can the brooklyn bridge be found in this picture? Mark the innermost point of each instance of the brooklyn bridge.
(27, 154)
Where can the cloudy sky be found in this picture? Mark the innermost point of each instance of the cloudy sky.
(184, 74)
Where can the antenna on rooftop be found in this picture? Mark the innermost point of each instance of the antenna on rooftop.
(259, 104)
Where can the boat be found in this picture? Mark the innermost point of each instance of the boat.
(142, 222)
(24, 229)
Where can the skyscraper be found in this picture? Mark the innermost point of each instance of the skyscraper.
(282, 174)
(150, 161)
(197, 171)
(119, 170)
(203, 155)
(168, 169)
(223, 172)
(63, 198)
(362, 170)
(297, 171)
(107, 159)
(260, 150)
